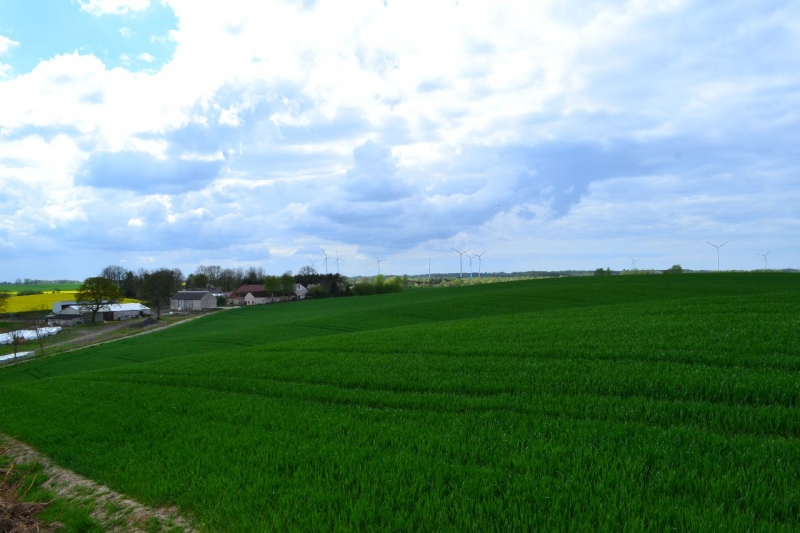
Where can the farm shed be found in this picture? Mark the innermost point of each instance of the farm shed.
(58, 306)
(76, 314)
(192, 301)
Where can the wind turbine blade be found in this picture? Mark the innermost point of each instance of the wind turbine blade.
(724, 243)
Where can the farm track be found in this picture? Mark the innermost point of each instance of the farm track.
(96, 334)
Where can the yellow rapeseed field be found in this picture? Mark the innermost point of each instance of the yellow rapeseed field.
(37, 302)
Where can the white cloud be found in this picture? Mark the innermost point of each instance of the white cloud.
(6, 44)
(498, 119)
(127, 32)
(113, 7)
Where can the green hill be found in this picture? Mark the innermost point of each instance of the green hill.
(637, 402)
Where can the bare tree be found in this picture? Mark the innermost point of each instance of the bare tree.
(38, 325)
(115, 273)
(16, 339)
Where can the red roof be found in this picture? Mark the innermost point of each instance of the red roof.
(244, 289)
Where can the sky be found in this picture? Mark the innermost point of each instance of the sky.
(546, 135)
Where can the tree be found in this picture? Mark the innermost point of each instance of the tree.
(197, 281)
(160, 285)
(674, 269)
(287, 283)
(271, 285)
(115, 273)
(4, 297)
(307, 270)
(17, 338)
(94, 293)
(38, 325)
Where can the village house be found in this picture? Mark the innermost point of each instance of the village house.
(257, 295)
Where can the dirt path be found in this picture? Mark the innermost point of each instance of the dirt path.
(114, 511)
(89, 335)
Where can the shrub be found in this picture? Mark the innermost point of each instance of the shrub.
(317, 291)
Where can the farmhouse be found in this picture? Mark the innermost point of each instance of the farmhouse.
(300, 291)
(257, 295)
(192, 301)
(249, 295)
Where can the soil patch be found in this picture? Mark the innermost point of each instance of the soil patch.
(144, 323)
(116, 512)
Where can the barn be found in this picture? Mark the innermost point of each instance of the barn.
(192, 301)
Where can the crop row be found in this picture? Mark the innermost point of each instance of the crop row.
(649, 404)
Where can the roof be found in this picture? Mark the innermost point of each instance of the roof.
(189, 295)
(114, 308)
(244, 289)
(258, 294)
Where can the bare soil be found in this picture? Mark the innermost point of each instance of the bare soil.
(114, 511)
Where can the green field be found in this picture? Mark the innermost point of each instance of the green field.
(46, 287)
(619, 403)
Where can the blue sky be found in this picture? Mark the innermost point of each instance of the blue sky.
(551, 135)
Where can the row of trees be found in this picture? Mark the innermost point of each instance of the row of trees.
(204, 277)
(115, 283)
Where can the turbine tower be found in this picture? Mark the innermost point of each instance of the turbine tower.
(470, 265)
(461, 259)
(718, 247)
(765, 259)
(326, 259)
(480, 261)
(429, 271)
(337, 262)
(378, 262)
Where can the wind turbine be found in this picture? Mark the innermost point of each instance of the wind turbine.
(429, 271)
(718, 247)
(337, 262)
(480, 261)
(633, 263)
(461, 259)
(326, 259)
(470, 265)
(379, 261)
(765, 259)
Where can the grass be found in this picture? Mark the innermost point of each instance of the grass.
(637, 402)
(28, 483)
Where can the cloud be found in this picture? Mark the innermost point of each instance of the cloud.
(586, 128)
(127, 32)
(374, 176)
(6, 44)
(141, 172)
(113, 7)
